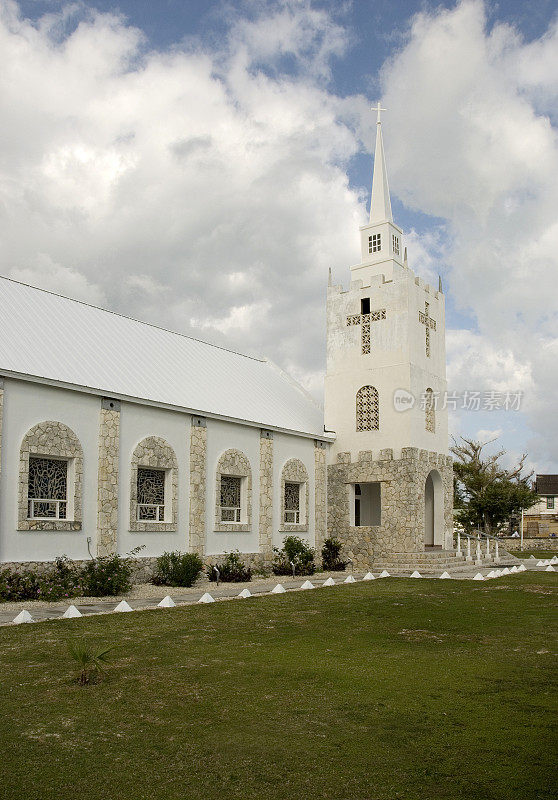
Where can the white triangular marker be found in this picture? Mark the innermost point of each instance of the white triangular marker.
(279, 589)
(307, 585)
(491, 574)
(384, 574)
(369, 577)
(504, 571)
(329, 582)
(479, 577)
(550, 568)
(522, 568)
(245, 593)
(445, 575)
(206, 598)
(71, 612)
(531, 556)
(416, 574)
(166, 602)
(540, 563)
(123, 606)
(23, 616)
(513, 569)
(554, 560)
(349, 579)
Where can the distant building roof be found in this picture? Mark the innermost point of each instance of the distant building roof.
(67, 342)
(546, 484)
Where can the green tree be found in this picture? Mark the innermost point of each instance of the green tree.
(486, 494)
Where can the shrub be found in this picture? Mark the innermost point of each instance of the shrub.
(177, 569)
(330, 555)
(297, 551)
(232, 569)
(106, 575)
(61, 580)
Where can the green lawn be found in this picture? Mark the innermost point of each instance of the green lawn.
(377, 691)
(538, 554)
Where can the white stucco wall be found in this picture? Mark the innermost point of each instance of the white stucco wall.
(223, 436)
(286, 447)
(397, 360)
(25, 405)
(137, 422)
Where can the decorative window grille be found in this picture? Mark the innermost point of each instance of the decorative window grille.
(550, 502)
(375, 243)
(395, 243)
(367, 409)
(151, 495)
(230, 498)
(429, 411)
(48, 488)
(292, 502)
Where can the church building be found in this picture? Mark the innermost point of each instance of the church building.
(116, 434)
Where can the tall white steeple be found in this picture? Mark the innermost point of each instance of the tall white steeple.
(380, 202)
(380, 240)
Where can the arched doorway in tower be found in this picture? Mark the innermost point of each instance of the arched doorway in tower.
(433, 511)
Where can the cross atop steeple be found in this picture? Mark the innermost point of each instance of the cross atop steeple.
(378, 108)
(380, 203)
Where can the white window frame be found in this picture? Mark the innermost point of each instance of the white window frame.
(165, 517)
(550, 503)
(375, 243)
(395, 244)
(239, 511)
(300, 514)
(69, 500)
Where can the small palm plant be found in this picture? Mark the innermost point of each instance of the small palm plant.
(91, 661)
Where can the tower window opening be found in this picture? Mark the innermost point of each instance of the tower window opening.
(365, 305)
(395, 243)
(375, 243)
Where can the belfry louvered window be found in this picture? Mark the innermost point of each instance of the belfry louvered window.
(429, 411)
(151, 495)
(367, 409)
(47, 493)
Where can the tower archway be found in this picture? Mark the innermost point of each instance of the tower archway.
(433, 510)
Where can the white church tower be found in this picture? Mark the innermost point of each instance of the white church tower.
(390, 482)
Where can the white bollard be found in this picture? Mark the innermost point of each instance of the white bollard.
(416, 574)
(468, 557)
(478, 577)
(206, 598)
(458, 551)
(349, 579)
(23, 616)
(123, 606)
(369, 577)
(245, 593)
(496, 552)
(307, 585)
(166, 602)
(478, 562)
(71, 612)
(279, 589)
(329, 582)
(384, 574)
(550, 568)
(445, 575)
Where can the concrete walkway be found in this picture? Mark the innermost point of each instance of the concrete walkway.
(145, 596)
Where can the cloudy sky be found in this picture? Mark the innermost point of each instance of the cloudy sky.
(201, 164)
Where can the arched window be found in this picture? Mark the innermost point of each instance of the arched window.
(429, 411)
(367, 409)
(294, 496)
(233, 492)
(153, 486)
(50, 479)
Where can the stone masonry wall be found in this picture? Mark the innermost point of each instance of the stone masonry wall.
(266, 496)
(1, 416)
(402, 502)
(156, 453)
(320, 497)
(51, 438)
(107, 487)
(198, 462)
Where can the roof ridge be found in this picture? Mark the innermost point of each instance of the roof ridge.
(133, 319)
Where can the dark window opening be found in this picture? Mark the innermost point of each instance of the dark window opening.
(365, 305)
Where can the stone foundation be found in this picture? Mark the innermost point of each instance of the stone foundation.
(142, 568)
(531, 543)
(402, 493)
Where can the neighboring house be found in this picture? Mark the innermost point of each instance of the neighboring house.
(542, 518)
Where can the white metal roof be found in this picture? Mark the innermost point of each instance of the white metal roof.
(67, 342)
